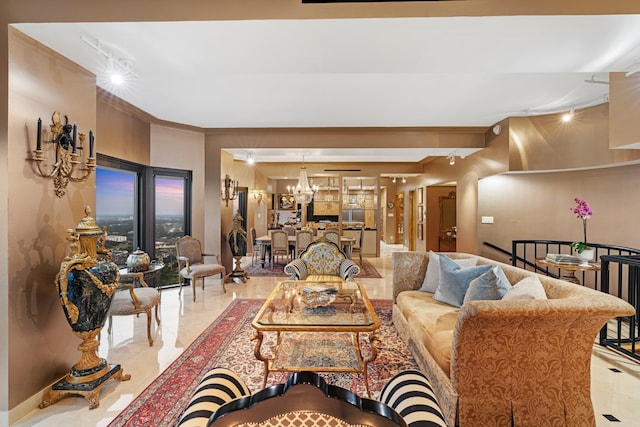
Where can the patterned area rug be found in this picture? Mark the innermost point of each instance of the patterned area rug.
(367, 271)
(227, 342)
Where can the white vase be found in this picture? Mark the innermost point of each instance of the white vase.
(585, 256)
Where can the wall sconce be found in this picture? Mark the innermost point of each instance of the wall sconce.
(229, 189)
(65, 137)
(258, 195)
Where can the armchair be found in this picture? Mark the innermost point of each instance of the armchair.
(322, 261)
(223, 399)
(192, 266)
(129, 300)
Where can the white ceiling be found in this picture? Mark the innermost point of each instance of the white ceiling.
(461, 71)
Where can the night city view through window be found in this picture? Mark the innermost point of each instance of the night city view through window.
(115, 208)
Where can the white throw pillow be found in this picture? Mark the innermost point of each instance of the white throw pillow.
(527, 288)
(432, 277)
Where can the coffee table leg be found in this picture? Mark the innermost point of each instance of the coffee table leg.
(256, 351)
(373, 342)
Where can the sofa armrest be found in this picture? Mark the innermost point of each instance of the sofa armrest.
(297, 269)
(409, 269)
(348, 269)
(525, 359)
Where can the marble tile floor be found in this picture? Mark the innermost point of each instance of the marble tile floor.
(615, 379)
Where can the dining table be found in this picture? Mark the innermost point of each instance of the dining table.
(346, 243)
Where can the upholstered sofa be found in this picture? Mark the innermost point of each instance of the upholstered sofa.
(306, 399)
(322, 261)
(521, 362)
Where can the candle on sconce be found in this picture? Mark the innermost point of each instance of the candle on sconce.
(91, 140)
(75, 135)
(39, 135)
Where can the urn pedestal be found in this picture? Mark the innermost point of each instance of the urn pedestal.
(86, 282)
(238, 244)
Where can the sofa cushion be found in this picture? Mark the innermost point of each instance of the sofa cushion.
(432, 276)
(455, 280)
(430, 321)
(527, 288)
(492, 285)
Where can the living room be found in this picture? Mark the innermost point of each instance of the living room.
(581, 160)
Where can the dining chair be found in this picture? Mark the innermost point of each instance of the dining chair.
(357, 245)
(192, 266)
(279, 245)
(255, 246)
(303, 239)
(333, 236)
(129, 300)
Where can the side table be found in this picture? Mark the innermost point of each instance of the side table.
(142, 276)
(569, 269)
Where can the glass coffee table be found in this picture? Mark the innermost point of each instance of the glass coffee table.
(317, 327)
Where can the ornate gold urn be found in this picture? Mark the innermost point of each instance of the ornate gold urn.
(86, 282)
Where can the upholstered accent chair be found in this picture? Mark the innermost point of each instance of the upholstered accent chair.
(322, 261)
(130, 300)
(223, 400)
(303, 239)
(192, 266)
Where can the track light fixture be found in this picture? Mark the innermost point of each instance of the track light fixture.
(452, 158)
(250, 159)
(567, 117)
(394, 180)
(117, 69)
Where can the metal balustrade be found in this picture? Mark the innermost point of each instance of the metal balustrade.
(619, 275)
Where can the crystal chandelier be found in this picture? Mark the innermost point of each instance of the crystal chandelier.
(303, 192)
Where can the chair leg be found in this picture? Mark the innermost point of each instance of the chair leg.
(360, 253)
(157, 317)
(194, 280)
(148, 312)
(222, 275)
(110, 324)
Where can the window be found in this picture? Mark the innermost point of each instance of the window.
(143, 207)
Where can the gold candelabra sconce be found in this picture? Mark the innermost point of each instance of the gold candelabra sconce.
(66, 167)
(258, 195)
(229, 189)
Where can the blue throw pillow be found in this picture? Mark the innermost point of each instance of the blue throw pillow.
(455, 280)
(492, 285)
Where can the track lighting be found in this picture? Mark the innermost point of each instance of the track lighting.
(567, 117)
(250, 159)
(117, 70)
(394, 180)
(404, 180)
(452, 158)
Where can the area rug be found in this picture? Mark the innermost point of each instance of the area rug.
(227, 342)
(367, 270)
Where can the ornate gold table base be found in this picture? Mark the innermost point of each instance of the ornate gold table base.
(90, 389)
(317, 327)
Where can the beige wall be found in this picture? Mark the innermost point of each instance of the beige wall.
(41, 346)
(624, 100)
(537, 206)
(182, 149)
(122, 134)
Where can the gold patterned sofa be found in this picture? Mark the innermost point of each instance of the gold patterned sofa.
(521, 362)
(322, 261)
